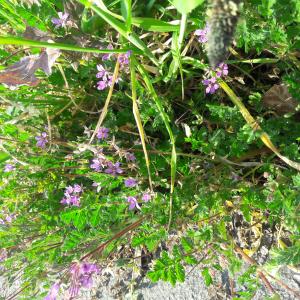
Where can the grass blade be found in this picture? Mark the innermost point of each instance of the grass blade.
(165, 119)
(9, 40)
(126, 13)
(137, 117)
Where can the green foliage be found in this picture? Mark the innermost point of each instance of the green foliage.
(205, 166)
(186, 7)
(168, 269)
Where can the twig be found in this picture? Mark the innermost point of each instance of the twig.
(116, 236)
(18, 292)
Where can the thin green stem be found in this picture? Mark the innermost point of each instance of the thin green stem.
(9, 40)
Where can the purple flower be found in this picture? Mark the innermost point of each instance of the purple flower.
(132, 203)
(71, 200)
(107, 56)
(69, 190)
(222, 70)
(8, 219)
(77, 188)
(113, 169)
(101, 85)
(61, 21)
(53, 292)
(96, 165)
(41, 140)
(72, 195)
(211, 84)
(87, 268)
(202, 34)
(130, 182)
(102, 133)
(110, 79)
(81, 276)
(124, 58)
(101, 71)
(146, 197)
(130, 157)
(9, 168)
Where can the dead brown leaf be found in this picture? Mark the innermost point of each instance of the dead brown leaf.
(32, 33)
(23, 72)
(278, 99)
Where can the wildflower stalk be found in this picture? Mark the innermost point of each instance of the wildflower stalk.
(107, 101)
(138, 121)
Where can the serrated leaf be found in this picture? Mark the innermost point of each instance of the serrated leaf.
(172, 276)
(154, 276)
(186, 244)
(207, 278)
(180, 272)
(190, 260)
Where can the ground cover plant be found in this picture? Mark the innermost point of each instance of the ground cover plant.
(168, 127)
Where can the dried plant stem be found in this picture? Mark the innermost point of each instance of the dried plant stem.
(107, 101)
(116, 236)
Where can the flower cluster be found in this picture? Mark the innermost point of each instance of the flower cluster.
(99, 164)
(133, 202)
(61, 21)
(211, 83)
(107, 56)
(72, 195)
(130, 182)
(8, 218)
(41, 140)
(124, 60)
(146, 197)
(221, 70)
(113, 169)
(81, 277)
(102, 133)
(9, 168)
(202, 34)
(130, 157)
(105, 76)
(53, 293)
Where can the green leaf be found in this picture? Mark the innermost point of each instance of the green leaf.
(95, 217)
(190, 260)
(154, 276)
(180, 273)
(154, 25)
(207, 278)
(186, 244)
(171, 277)
(185, 7)
(126, 13)
(3, 156)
